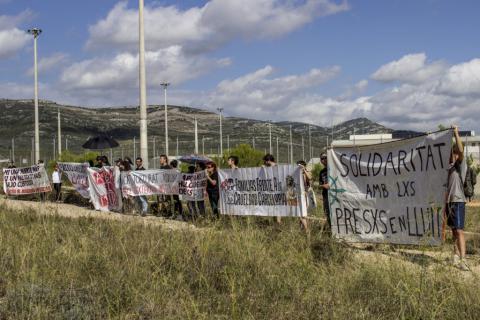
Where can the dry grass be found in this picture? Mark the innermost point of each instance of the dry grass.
(54, 267)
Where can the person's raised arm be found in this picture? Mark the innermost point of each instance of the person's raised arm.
(459, 143)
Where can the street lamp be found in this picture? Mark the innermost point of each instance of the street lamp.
(221, 137)
(270, 135)
(165, 85)
(143, 87)
(36, 32)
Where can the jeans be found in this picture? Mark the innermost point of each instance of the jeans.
(213, 198)
(143, 203)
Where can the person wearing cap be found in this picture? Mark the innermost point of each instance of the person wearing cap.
(324, 185)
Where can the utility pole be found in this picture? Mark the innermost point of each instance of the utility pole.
(270, 136)
(228, 141)
(221, 137)
(143, 88)
(134, 149)
(59, 133)
(310, 142)
(253, 142)
(13, 149)
(277, 156)
(36, 32)
(203, 145)
(165, 85)
(177, 146)
(154, 150)
(196, 137)
(303, 150)
(66, 143)
(54, 153)
(291, 145)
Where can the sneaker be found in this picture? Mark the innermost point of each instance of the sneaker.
(462, 265)
(455, 259)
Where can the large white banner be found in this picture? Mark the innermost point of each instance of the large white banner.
(192, 186)
(26, 180)
(78, 175)
(149, 182)
(392, 192)
(263, 191)
(104, 193)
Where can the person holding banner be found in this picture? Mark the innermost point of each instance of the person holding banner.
(324, 185)
(164, 200)
(213, 190)
(269, 161)
(141, 200)
(307, 178)
(57, 182)
(233, 162)
(456, 201)
(177, 204)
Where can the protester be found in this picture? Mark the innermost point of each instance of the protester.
(177, 204)
(233, 162)
(164, 200)
(324, 185)
(105, 161)
(307, 178)
(57, 182)
(456, 201)
(127, 159)
(192, 207)
(11, 165)
(269, 161)
(99, 161)
(141, 200)
(43, 195)
(200, 166)
(213, 190)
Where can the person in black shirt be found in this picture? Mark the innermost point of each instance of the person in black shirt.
(325, 186)
(177, 204)
(212, 187)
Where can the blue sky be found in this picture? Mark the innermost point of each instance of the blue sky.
(406, 64)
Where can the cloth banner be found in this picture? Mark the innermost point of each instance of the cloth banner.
(392, 192)
(149, 182)
(192, 186)
(78, 176)
(263, 191)
(26, 180)
(104, 194)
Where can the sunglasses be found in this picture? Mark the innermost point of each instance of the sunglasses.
(323, 158)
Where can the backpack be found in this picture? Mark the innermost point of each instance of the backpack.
(470, 181)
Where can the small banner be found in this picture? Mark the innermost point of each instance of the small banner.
(26, 180)
(192, 186)
(392, 192)
(104, 194)
(149, 182)
(78, 175)
(263, 191)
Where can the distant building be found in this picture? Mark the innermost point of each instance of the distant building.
(472, 147)
(364, 140)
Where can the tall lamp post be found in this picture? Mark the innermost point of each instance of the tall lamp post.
(143, 87)
(36, 32)
(59, 133)
(165, 85)
(220, 110)
(270, 136)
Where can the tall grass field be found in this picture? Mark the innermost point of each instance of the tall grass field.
(59, 268)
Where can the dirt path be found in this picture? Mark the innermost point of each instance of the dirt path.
(73, 211)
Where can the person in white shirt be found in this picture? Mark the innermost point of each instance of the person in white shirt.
(57, 182)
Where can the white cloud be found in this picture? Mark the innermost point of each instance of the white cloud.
(121, 71)
(411, 68)
(461, 79)
(47, 64)
(12, 39)
(201, 29)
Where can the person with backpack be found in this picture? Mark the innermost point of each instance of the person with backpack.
(456, 201)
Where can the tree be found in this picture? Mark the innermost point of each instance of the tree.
(248, 157)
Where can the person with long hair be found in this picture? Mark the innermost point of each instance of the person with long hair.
(213, 190)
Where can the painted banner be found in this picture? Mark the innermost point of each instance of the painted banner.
(149, 182)
(263, 191)
(104, 194)
(392, 192)
(26, 180)
(78, 176)
(192, 186)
